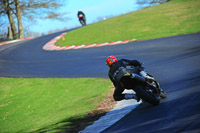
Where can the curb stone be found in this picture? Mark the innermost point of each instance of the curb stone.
(50, 45)
(121, 109)
(4, 43)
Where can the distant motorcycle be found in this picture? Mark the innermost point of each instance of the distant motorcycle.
(82, 20)
(147, 90)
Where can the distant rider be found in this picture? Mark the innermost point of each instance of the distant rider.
(81, 13)
(114, 66)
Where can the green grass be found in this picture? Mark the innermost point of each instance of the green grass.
(168, 19)
(36, 105)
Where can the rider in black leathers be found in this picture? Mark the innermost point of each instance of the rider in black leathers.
(81, 13)
(114, 66)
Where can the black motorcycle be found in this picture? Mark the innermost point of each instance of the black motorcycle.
(147, 90)
(82, 20)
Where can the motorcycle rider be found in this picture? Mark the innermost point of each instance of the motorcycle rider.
(114, 66)
(81, 13)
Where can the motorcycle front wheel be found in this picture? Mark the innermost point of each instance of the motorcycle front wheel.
(147, 95)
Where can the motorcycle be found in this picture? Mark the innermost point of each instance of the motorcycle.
(82, 20)
(147, 90)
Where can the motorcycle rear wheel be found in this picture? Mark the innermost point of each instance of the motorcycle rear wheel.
(147, 95)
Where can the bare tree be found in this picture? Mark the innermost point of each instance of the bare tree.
(3, 29)
(12, 9)
(6, 9)
(46, 9)
(151, 2)
(29, 10)
(19, 19)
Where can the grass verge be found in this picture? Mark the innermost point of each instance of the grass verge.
(172, 18)
(53, 105)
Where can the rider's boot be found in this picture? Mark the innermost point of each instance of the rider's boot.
(132, 96)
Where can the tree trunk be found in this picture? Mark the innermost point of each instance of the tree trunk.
(10, 36)
(18, 14)
(11, 20)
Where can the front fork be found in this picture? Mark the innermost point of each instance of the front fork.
(150, 84)
(155, 86)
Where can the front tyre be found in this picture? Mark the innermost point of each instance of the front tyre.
(82, 22)
(163, 94)
(147, 96)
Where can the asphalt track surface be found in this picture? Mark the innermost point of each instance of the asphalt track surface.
(174, 62)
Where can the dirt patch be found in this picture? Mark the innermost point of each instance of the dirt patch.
(102, 108)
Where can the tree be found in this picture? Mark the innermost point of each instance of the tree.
(29, 10)
(3, 30)
(151, 2)
(6, 9)
(45, 9)
(19, 19)
(12, 8)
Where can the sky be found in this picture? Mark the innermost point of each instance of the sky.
(93, 10)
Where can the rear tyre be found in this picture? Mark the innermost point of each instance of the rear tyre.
(147, 95)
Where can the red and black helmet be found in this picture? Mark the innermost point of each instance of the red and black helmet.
(110, 60)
